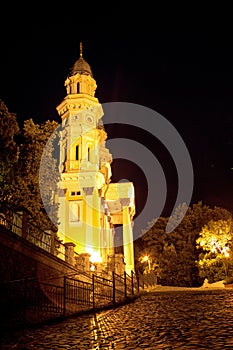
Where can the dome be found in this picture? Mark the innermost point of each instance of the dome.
(81, 67)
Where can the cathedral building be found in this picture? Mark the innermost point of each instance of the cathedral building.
(90, 205)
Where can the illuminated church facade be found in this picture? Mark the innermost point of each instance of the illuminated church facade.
(90, 205)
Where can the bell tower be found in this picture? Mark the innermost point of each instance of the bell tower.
(85, 193)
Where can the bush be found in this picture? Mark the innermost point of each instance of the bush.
(228, 280)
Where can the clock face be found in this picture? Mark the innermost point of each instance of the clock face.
(89, 119)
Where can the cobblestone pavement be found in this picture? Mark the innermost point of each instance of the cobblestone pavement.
(191, 319)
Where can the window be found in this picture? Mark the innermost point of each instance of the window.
(75, 211)
(75, 193)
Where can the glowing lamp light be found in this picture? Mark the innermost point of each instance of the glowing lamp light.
(94, 256)
(92, 267)
(145, 258)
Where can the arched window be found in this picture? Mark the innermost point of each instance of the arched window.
(77, 153)
(75, 211)
(78, 88)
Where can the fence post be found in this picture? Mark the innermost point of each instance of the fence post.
(125, 284)
(69, 253)
(24, 224)
(25, 301)
(93, 291)
(64, 297)
(113, 288)
(52, 247)
(132, 284)
(138, 282)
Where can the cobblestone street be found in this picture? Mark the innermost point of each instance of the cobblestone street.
(194, 319)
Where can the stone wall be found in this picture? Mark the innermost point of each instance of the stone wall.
(20, 259)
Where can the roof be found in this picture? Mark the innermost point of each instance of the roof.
(82, 67)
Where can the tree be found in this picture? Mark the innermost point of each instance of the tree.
(9, 129)
(49, 173)
(21, 154)
(216, 241)
(154, 242)
(189, 229)
(27, 193)
(154, 237)
(176, 252)
(179, 267)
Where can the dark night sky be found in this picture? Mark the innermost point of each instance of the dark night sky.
(184, 74)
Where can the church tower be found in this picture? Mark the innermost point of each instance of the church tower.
(89, 204)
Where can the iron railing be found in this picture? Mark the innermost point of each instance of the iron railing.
(147, 280)
(28, 301)
(19, 223)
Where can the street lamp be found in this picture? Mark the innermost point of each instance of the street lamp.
(150, 275)
(146, 258)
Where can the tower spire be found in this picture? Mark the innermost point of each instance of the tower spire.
(81, 49)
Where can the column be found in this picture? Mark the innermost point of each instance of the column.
(69, 246)
(88, 218)
(96, 222)
(128, 246)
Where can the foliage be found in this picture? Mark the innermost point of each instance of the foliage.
(48, 172)
(216, 260)
(228, 280)
(21, 152)
(27, 192)
(176, 253)
(154, 240)
(216, 236)
(9, 129)
(20, 163)
(211, 267)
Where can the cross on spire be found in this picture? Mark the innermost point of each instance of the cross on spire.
(81, 49)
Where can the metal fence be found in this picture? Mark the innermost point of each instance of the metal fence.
(19, 223)
(147, 280)
(26, 302)
(29, 301)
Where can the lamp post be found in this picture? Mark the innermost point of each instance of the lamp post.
(146, 258)
(151, 274)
